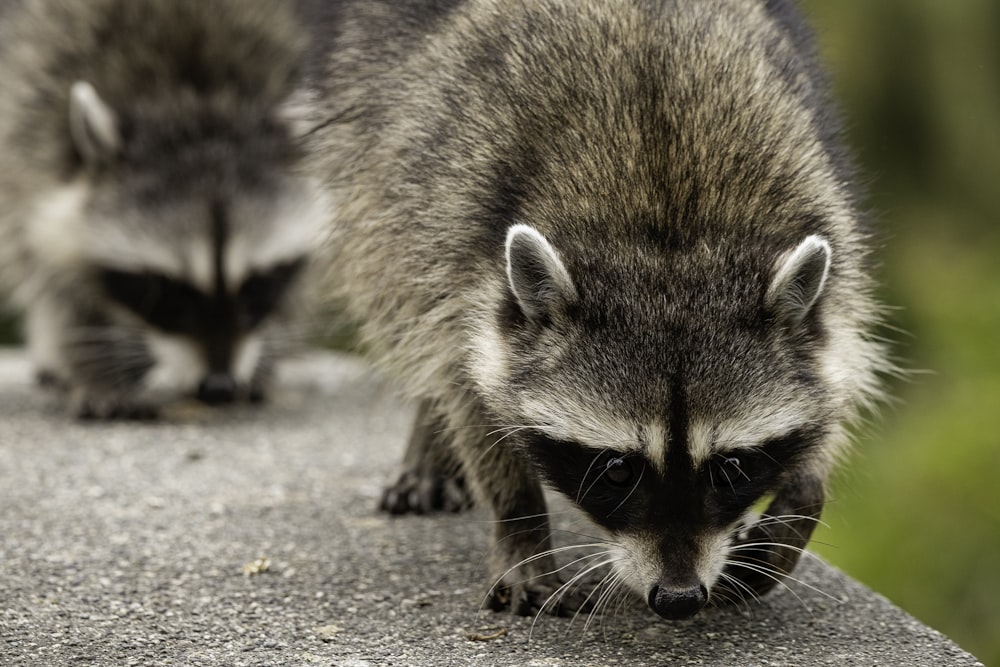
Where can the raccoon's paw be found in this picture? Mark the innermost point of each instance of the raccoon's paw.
(90, 406)
(529, 595)
(47, 379)
(533, 586)
(417, 491)
(760, 559)
(742, 583)
(765, 551)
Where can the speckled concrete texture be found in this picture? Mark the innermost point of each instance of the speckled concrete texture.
(249, 536)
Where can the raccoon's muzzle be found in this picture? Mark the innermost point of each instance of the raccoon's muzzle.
(217, 388)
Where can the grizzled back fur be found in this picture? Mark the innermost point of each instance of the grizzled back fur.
(671, 156)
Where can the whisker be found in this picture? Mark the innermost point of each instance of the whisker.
(756, 546)
(541, 555)
(739, 588)
(610, 584)
(770, 571)
(769, 519)
(562, 590)
(580, 494)
(631, 491)
(618, 594)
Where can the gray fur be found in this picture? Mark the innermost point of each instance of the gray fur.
(147, 137)
(673, 156)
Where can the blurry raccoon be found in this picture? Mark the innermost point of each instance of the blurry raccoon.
(153, 216)
(613, 245)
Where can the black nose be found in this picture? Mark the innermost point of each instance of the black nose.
(217, 388)
(677, 602)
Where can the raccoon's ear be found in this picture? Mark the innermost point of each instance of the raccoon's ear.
(799, 280)
(93, 125)
(537, 276)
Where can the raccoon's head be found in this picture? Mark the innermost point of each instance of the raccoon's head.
(186, 230)
(665, 393)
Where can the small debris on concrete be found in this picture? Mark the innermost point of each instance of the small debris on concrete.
(327, 632)
(486, 634)
(258, 566)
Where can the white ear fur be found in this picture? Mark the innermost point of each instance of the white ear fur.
(93, 124)
(799, 280)
(536, 275)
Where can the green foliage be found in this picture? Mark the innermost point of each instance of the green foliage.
(917, 514)
(8, 325)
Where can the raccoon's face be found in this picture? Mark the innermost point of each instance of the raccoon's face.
(191, 258)
(214, 300)
(664, 405)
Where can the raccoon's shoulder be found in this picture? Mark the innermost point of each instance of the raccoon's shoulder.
(354, 42)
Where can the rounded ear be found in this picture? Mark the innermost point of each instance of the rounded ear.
(93, 125)
(536, 275)
(799, 280)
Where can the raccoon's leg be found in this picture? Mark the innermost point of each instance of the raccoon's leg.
(770, 549)
(523, 570)
(431, 477)
(103, 365)
(262, 379)
(43, 322)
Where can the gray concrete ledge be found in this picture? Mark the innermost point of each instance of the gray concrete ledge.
(125, 544)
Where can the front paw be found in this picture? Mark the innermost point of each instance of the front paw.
(96, 406)
(767, 551)
(529, 591)
(418, 491)
(47, 379)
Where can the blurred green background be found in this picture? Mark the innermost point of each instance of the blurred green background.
(916, 514)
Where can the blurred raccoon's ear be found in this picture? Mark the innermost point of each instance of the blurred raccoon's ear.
(537, 276)
(799, 280)
(93, 125)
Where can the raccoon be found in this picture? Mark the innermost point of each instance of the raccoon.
(613, 246)
(154, 216)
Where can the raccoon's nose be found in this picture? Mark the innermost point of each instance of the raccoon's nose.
(674, 602)
(217, 388)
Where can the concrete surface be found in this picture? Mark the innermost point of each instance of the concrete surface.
(136, 544)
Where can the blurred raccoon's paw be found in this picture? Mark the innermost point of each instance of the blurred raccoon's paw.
(256, 394)
(50, 380)
(89, 406)
(545, 593)
(419, 491)
(259, 389)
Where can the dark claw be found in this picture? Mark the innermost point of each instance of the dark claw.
(422, 492)
(97, 409)
(528, 598)
(801, 497)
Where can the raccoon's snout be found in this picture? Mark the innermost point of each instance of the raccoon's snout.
(675, 603)
(217, 388)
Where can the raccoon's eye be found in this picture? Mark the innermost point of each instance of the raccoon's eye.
(727, 472)
(261, 292)
(165, 303)
(618, 471)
